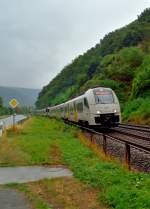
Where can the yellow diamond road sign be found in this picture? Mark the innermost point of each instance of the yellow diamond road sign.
(13, 103)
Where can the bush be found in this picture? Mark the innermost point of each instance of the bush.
(137, 111)
(132, 56)
(141, 83)
(5, 111)
(145, 16)
(123, 65)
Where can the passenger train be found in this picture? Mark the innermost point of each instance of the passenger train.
(96, 107)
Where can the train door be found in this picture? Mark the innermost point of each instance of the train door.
(75, 112)
(79, 107)
(86, 110)
(67, 111)
(71, 111)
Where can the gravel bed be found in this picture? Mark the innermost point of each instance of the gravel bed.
(139, 159)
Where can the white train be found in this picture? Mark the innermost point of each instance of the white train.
(96, 107)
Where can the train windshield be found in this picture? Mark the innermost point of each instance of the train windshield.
(103, 96)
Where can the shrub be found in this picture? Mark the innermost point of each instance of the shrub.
(141, 83)
(137, 111)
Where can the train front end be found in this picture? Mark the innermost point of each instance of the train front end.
(104, 108)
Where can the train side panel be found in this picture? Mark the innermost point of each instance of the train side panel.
(98, 106)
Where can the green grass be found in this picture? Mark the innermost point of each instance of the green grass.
(35, 141)
(119, 188)
(31, 146)
(137, 111)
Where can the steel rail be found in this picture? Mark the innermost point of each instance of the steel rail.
(130, 134)
(136, 127)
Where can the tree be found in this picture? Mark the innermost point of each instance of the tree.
(145, 16)
(1, 102)
(141, 82)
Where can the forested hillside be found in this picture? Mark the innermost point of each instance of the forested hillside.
(121, 61)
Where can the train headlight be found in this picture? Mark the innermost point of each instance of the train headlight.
(115, 110)
(98, 112)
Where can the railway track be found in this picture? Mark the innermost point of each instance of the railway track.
(132, 144)
(139, 134)
(141, 128)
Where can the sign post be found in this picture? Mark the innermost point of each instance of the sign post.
(13, 103)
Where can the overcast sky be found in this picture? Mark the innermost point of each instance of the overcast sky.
(39, 37)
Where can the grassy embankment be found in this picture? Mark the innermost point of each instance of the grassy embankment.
(49, 142)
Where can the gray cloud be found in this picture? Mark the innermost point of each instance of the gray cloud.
(39, 37)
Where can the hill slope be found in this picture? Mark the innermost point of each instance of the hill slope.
(120, 61)
(25, 97)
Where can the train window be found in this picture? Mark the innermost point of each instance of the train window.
(103, 97)
(47, 110)
(71, 108)
(68, 107)
(86, 103)
(80, 107)
(65, 109)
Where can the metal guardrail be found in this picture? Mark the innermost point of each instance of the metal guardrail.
(23, 120)
(128, 144)
(3, 125)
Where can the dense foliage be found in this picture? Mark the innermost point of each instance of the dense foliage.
(120, 61)
(1, 102)
(4, 110)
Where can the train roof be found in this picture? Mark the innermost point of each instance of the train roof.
(79, 97)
